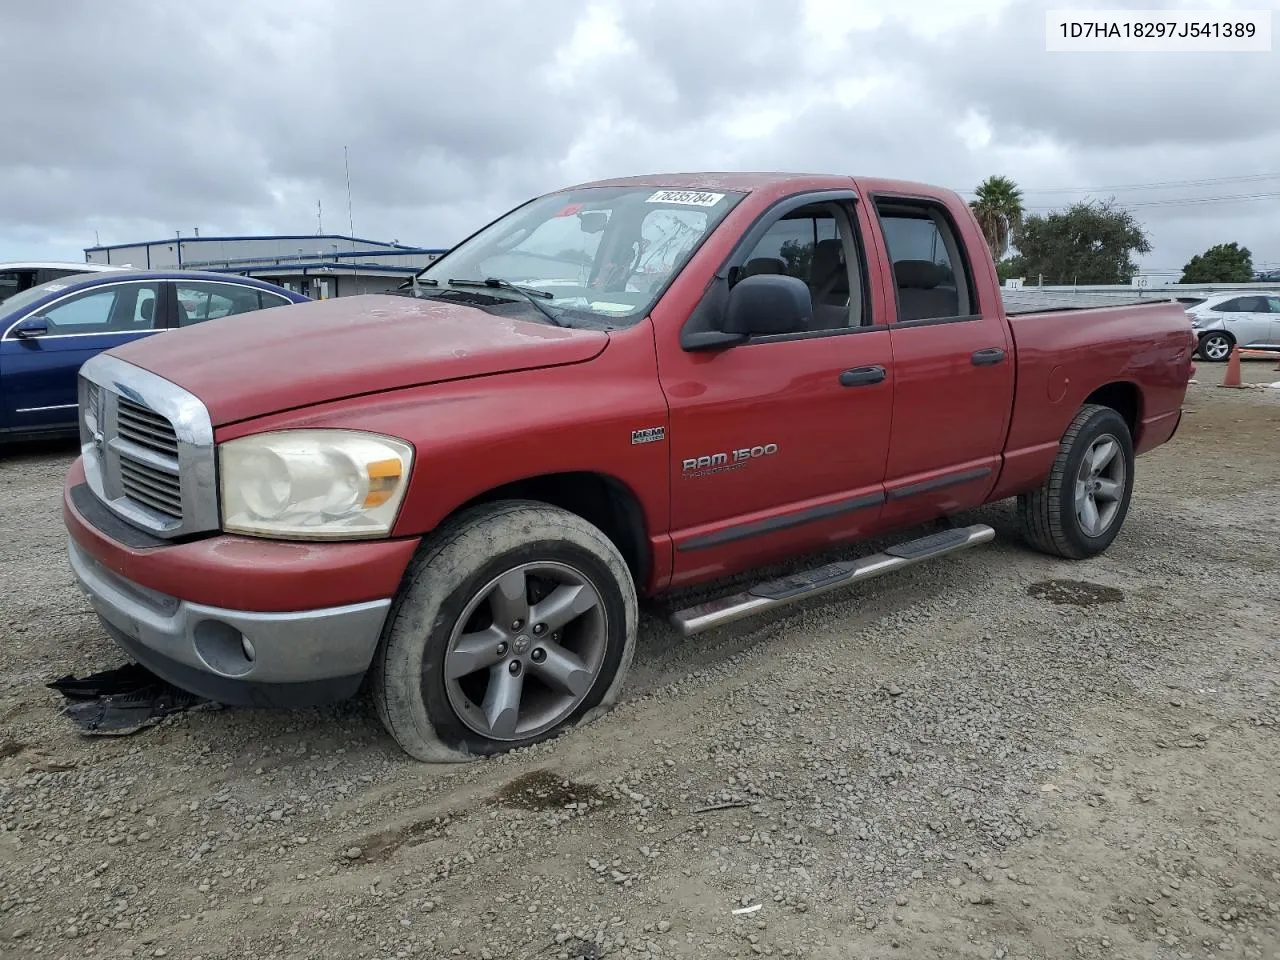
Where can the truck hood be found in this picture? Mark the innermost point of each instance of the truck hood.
(260, 363)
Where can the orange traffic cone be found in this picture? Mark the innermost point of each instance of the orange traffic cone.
(1232, 379)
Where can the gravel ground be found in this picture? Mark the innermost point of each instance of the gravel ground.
(995, 756)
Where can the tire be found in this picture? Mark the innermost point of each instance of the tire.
(1216, 346)
(1051, 518)
(444, 622)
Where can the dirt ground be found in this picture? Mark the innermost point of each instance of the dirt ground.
(997, 755)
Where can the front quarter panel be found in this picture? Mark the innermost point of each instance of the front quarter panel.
(474, 435)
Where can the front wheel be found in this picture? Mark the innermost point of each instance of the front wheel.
(1080, 508)
(1216, 346)
(516, 621)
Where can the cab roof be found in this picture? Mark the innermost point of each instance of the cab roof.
(776, 182)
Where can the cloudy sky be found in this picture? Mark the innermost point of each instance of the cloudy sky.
(128, 120)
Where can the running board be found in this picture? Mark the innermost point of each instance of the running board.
(832, 576)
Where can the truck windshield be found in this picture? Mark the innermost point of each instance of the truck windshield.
(602, 254)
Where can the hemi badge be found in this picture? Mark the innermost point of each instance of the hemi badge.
(648, 435)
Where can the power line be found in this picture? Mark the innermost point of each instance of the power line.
(1181, 201)
(1152, 185)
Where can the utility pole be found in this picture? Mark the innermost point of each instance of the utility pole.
(319, 220)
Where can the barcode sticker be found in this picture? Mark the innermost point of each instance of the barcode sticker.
(694, 198)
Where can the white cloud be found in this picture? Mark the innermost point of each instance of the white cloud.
(232, 115)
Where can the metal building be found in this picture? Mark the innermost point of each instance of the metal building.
(315, 265)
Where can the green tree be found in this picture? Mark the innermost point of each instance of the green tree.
(798, 257)
(998, 209)
(1225, 263)
(1088, 242)
(1010, 268)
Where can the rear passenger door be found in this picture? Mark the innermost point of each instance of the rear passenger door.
(953, 365)
(1273, 310)
(196, 301)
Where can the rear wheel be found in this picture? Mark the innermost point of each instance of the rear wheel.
(516, 621)
(1216, 346)
(1082, 505)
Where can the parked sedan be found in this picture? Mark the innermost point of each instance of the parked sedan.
(1226, 320)
(48, 331)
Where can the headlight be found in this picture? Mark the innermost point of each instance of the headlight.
(313, 484)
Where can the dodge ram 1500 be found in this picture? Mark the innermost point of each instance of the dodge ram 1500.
(457, 495)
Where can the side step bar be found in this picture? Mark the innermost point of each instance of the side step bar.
(832, 576)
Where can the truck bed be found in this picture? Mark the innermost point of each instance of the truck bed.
(1031, 300)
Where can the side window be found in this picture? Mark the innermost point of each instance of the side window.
(200, 300)
(1253, 304)
(815, 244)
(1229, 306)
(932, 274)
(268, 300)
(1273, 304)
(121, 308)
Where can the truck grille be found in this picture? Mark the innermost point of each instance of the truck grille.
(155, 486)
(147, 446)
(146, 428)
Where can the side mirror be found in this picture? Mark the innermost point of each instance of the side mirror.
(31, 328)
(768, 304)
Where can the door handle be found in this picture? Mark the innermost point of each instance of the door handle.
(862, 376)
(987, 357)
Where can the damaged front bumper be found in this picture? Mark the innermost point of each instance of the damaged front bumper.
(236, 657)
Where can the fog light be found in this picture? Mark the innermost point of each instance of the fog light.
(224, 649)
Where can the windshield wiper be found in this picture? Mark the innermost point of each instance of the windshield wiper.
(529, 294)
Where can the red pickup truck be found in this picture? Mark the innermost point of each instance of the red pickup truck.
(456, 495)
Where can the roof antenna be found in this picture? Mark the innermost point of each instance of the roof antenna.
(351, 224)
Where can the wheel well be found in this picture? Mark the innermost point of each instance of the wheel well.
(1125, 399)
(602, 501)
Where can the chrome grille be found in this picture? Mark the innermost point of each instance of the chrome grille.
(158, 489)
(145, 427)
(147, 447)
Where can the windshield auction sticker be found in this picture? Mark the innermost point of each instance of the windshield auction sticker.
(693, 198)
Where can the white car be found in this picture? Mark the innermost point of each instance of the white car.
(1226, 320)
(24, 274)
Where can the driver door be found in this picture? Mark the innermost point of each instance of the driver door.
(38, 374)
(779, 444)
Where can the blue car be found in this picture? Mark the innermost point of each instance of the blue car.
(48, 331)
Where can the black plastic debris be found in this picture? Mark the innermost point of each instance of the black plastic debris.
(121, 701)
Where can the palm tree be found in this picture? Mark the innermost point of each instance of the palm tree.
(998, 208)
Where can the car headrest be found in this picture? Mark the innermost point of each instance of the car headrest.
(763, 265)
(827, 256)
(917, 274)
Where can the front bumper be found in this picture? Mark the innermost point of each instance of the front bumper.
(237, 657)
(235, 619)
